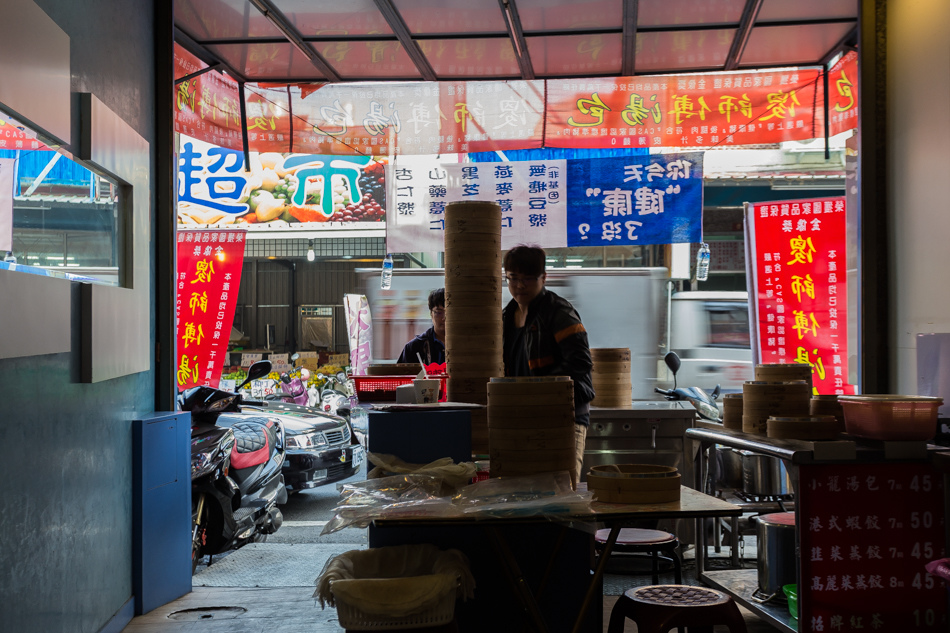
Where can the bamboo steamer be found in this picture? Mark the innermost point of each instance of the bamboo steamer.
(473, 271)
(531, 425)
(803, 428)
(784, 372)
(611, 377)
(828, 405)
(761, 400)
(634, 483)
(732, 411)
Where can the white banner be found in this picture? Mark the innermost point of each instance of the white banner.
(359, 327)
(6, 205)
(532, 195)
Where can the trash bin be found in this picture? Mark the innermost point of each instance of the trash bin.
(397, 587)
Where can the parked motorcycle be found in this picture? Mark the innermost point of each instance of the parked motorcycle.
(236, 462)
(293, 386)
(705, 403)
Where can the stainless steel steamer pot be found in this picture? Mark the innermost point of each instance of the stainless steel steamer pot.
(775, 550)
(763, 475)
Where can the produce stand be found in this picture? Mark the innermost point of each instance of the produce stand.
(884, 498)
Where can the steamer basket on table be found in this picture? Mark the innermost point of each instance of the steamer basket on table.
(891, 417)
(531, 426)
(634, 483)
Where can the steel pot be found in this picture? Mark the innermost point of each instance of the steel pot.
(763, 475)
(729, 465)
(775, 550)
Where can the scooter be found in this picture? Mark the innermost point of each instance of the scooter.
(293, 386)
(236, 461)
(705, 403)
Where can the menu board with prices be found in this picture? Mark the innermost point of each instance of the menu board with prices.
(866, 531)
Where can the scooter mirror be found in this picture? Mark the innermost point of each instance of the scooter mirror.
(255, 372)
(295, 356)
(672, 361)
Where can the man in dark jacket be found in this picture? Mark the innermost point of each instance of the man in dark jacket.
(544, 336)
(430, 344)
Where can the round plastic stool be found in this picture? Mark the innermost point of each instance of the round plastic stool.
(659, 608)
(652, 542)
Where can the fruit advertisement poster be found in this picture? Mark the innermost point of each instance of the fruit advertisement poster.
(207, 284)
(278, 191)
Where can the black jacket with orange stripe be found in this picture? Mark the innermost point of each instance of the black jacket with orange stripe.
(555, 342)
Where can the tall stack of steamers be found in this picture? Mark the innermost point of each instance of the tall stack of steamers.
(779, 404)
(473, 326)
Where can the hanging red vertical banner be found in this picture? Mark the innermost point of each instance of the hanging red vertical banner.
(208, 280)
(207, 105)
(799, 277)
(843, 94)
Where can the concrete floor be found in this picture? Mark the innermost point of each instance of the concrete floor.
(268, 587)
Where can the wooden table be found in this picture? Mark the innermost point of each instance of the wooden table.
(692, 505)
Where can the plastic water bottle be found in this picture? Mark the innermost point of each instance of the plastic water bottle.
(702, 262)
(387, 278)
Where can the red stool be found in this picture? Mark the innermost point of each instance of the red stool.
(652, 542)
(659, 608)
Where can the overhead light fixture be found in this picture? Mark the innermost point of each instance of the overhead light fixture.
(310, 255)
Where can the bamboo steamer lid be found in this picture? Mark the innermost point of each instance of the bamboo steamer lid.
(802, 428)
(563, 398)
(756, 424)
(610, 354)
(784, 372)
(634, 483)
(611, 367)
(610, 379)
(544, 433)
(828, 405)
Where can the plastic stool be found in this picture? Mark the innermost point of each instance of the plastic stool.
(659, 608)
(652, 542)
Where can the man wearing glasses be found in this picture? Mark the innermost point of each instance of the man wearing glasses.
(544, 336)
(430, 345)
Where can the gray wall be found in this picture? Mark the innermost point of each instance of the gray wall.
(65, 447)
(918, 138)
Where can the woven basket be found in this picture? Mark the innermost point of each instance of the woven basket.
(353, 618)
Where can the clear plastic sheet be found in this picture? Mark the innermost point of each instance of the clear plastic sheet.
(414, 494)
(454, 476)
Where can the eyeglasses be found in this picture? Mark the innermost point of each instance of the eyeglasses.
(438, 312)
(522, 280)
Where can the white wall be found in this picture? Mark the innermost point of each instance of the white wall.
(918, 178)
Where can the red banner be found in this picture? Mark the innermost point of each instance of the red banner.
(843, 94)
(703, 110)
(206, 106)
(12, 137)
(800, 285)
(209, 277)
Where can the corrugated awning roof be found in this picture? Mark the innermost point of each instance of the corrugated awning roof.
(287, 41)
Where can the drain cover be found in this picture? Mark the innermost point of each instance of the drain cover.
(207, 613)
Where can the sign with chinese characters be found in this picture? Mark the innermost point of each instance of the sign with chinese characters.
(843, 93)
(279, 191)
(552, 203)
(208, 280)
(799, 283)
(652, 199)
(703, 110)
(12, 137)
(866, 531)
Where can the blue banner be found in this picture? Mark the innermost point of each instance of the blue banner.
(652, 199)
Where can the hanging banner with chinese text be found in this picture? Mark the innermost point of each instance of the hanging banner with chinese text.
(703, 110)
(798, 251)
(206, 106)
(843, 94)
(650, 199)
(359, 329)
(208, 280)
(279, 191)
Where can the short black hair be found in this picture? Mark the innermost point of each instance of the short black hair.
(525, 259)
(437, 298)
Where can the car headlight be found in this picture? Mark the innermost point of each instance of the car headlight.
(307, 441)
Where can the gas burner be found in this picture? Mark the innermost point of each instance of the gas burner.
(744, 496)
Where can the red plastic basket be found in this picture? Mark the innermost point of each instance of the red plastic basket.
(383, 388)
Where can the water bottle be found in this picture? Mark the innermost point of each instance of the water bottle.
(387, 279)
(702, 262)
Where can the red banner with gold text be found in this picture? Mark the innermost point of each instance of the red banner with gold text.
(843, 94)
(800, 287)
(702, 110)
(208, 280)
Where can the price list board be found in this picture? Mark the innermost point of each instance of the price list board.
(865, 533)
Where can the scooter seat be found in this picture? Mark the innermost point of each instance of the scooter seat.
(252, 445)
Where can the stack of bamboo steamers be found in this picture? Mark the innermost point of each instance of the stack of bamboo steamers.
(611, 377)
(778, 403)
(473, 327)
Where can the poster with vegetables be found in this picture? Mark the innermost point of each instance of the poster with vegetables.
(278, 191)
